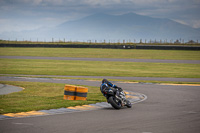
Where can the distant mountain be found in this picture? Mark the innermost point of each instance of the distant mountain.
(116, 27)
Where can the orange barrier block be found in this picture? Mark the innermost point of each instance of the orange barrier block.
(75, 92)
(81, 93)
(69, 93)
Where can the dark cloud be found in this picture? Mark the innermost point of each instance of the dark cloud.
(29, 14)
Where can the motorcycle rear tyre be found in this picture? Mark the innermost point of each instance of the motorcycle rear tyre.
(113, 103)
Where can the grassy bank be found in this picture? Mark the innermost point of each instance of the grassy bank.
(39, 96)
(98, 68)
(102, 53)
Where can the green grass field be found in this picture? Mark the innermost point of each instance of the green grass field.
(98, 68)
(38, 96)
(102, 53)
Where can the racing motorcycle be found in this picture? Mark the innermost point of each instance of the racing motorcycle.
(117, 99)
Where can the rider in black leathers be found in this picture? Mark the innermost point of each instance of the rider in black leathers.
(106, 86)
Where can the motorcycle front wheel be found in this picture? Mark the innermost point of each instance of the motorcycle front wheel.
(128, 104)
(115, 104)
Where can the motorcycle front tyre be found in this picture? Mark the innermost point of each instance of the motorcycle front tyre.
(129, 105)
(113, 103)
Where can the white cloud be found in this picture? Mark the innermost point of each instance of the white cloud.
(180, 21)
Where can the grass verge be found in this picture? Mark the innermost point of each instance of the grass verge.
(102, 53)
(39, 96)
(98, 68)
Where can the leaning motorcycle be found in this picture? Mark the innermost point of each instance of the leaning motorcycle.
(117, 99)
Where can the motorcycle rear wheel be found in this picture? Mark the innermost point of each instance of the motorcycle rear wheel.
(114, 104)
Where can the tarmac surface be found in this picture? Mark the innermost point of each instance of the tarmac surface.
(6, 89)
(168, 109)
(23, 76)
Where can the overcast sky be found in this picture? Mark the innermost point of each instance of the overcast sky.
(16, 15)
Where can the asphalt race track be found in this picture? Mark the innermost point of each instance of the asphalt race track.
(6, 89)
(168, 109)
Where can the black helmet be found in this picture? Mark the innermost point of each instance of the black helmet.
(104, 80)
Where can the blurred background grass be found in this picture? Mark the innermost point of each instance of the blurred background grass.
(38, 96)
(102, 53)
